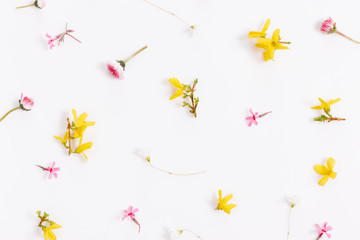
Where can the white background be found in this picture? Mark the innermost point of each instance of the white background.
(259, 165)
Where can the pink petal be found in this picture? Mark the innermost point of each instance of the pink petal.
(56, 169)
(248, 118)
(49, 176)
(55, 174)
(255, 122)
(251, 112)
(125, 216)
(53, 165)
(130, 209)
(135, 210)
(328, 235)
(47, 35)
(329, 228)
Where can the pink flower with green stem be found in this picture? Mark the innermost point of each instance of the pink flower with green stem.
(38, 3)
(254, 116)
(117, 68)
(60, 37)
(329, 26)
(52, 170)
(25, 104)
(130, 212)
(324, 229)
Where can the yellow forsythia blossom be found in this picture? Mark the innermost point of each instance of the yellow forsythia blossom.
(270, 45)
(180, 88)
(326, 105)
(326, 171)
(48, 234)
(223, 203)
(261, 34)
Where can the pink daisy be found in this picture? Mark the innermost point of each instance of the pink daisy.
(252, 118)
(327, 25)
(26, 103)
(115, 70)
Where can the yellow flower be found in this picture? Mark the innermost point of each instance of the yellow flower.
(82, 148)
(261, 34)
(48, 234)
(78, 122)
(223, 203)
(270, 45)
(180, 88)
(63, 140)
(326, 105)
(327, 172)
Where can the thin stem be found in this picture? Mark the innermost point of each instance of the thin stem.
(135, 221)
(33, 4)
(164, 10)
(14, 109)
(285, 42)
(192, 100)
(341, 34)
(319, 237)
(335, 119)
(41, 167)
(133, 55)
(188, 230)
(289, 222)
(69, 136)
(176, 174)
(73, 37)
(264, 114)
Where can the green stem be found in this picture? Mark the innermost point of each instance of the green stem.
(136, 53)
(33, 4)
(9, 113)
(341, 34)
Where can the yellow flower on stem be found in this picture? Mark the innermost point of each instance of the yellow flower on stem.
(180, 88)
(261, 34)
(326, 105)
(326, 171)
(48, 234)
(63, 140)
(78, 122)
(82, 148)
(270, 45)
(223, 203)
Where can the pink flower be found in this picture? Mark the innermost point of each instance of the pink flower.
(26, 103)
(324, 229)
(52, 170)
(252, 118)
(40, 3)
(51, 40)
(115, 70)
(327, 25)
(130, 212)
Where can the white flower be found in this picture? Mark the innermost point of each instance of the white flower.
(145, 153)
(40, 3)
(293, 200)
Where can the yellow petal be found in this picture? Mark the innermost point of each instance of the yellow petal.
(85, 156)
(55, 226)
(321, 169)
(261, 45)
(276, 36)
(332, 174)
(324, 180)
(46, 234)
(226, 199)
(220, 195)
(79, 132)
(228, 208)
(52, 235)
(280, 46)
(178, 93)
(80, 120)
(265, 41)
(83, 147)
(317, 107)
(74, 115)
(175, 82)
(269, 54)
(334, 101)
(89, 123)
(266, 26)
(331, 163)
(253, 34)
(58, 138)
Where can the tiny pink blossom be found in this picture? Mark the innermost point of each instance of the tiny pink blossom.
(324, 229)
(40, 3)
(252, 118)
(130, 212)
(26, 103)
(115, 70)
(327, 25)
(52, 170)
(51, 40)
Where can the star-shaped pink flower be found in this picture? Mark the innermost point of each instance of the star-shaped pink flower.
(324, 229)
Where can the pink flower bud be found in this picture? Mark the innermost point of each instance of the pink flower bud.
(26, 103)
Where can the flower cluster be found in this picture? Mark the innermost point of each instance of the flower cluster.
(60, 37)
(326, 171)
(48, 227)
(25, 104)
(187, 91)
(325, 106)
(270, 45)
(75, 131)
